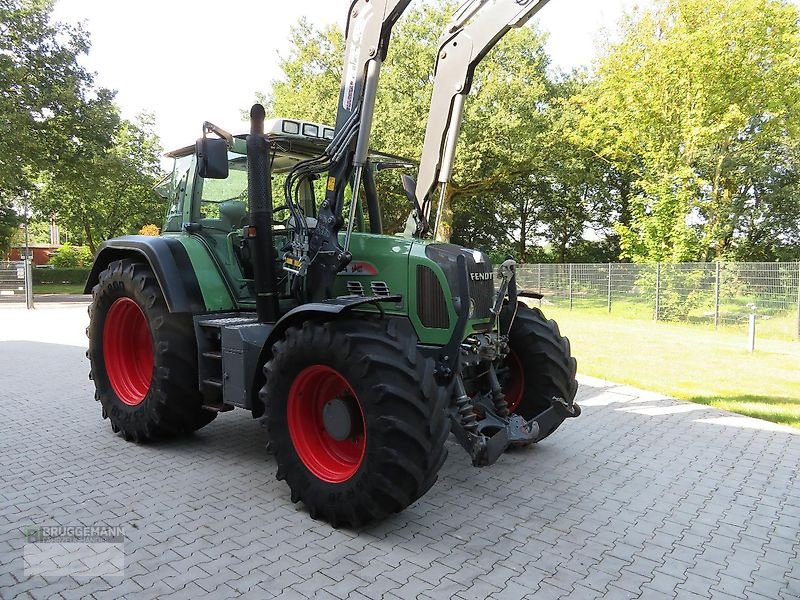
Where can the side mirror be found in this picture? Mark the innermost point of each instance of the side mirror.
(212, 158)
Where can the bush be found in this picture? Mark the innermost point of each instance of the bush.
(71, 257)
(59, 276)
(151, 229)
(681, 289)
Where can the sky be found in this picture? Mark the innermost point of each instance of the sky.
(194, 61)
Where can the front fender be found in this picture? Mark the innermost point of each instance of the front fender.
(328, 308)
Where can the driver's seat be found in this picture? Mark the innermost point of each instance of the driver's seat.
(232, 216)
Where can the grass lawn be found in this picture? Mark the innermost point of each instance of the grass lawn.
(688, 362)
(57, 288)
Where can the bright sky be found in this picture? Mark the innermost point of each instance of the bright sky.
(192, 61)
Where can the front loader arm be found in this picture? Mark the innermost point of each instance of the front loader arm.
(368, 32)
(474, 30)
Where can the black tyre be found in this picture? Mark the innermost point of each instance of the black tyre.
(355, 418)
(143, 358)
(540, 365)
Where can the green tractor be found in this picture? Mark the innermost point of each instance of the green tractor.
(362, 351)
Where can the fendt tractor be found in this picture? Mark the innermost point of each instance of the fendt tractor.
(362, 351)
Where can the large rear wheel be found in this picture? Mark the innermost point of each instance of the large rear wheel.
(143, 358)
(540, 366)
(355, 418)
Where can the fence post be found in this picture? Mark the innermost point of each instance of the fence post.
(570, 286)
(609, 287)
(751, 328)
(717, 283)
(658, 287)
(539, 270)
(798, 300)
(539, 275)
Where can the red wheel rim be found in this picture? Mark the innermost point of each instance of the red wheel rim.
(514, 386)
(328, 459)
(128, 351)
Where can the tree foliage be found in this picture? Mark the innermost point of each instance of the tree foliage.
(110, 193)
(64, 149)
(699, 103)
(51, 109)
(9, 225)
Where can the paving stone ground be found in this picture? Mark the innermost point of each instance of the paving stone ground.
(642, 496)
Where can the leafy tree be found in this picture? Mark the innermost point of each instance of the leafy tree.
(150, 229)
(52, 113)
(9, 225)
(698, 107)
(71, 257)
(110, 192)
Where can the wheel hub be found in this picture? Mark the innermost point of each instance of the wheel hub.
(337, 416)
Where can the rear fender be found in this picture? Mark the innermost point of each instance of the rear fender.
(169, 261)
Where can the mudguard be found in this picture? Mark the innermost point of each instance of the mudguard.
(333, 306)
(169, 261)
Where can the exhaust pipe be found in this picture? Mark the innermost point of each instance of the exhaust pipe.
(259, 234)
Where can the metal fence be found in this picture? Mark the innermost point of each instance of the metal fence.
(12, 281)
(719, 294)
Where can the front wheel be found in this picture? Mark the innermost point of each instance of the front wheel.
(539, 367)
(355, 418)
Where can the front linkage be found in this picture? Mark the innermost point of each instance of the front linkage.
(480, 420)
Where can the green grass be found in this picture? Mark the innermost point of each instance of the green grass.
(690, 362)
(57, 288)
(733, 316)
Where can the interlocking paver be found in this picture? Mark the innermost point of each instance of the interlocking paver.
(623, 502)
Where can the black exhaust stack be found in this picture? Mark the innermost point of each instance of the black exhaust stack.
(259, 234)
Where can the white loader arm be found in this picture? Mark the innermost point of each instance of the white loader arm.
(474, 30)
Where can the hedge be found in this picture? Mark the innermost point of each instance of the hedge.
(76, 275)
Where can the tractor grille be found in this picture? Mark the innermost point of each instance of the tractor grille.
(481, 291)
(431, 302)
(482, 294)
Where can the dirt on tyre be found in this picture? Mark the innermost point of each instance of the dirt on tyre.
(539, 367)
(143, 358)
(355, 418)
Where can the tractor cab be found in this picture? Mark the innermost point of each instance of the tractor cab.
(215, 209)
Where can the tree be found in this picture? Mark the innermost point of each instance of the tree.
(9, 226)
(110, 192)
(700, 103)
(51, 109)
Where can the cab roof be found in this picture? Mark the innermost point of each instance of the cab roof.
(295, 137)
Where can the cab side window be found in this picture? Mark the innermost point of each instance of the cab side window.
(177, 195)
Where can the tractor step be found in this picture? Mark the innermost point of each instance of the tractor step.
(229, 349)
(226, 320)
(219, 408)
